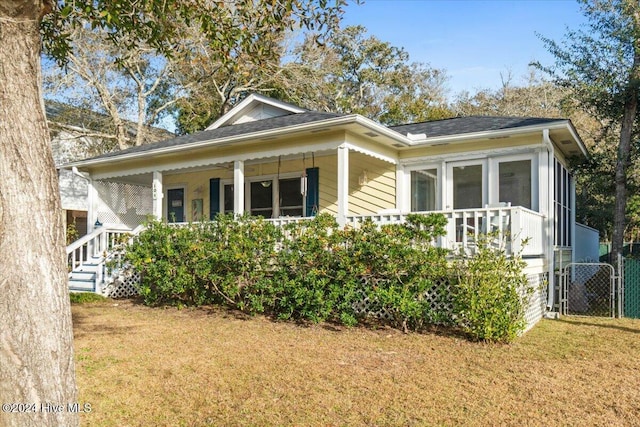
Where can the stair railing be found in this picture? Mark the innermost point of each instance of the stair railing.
(112, 263)
(94, 245)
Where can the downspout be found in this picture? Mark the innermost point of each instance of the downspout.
(546, 142)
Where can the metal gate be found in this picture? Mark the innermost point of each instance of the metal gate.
(591, 289)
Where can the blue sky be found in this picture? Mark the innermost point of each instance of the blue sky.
(473, 40)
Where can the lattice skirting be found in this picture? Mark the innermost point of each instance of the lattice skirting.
(437, 297)
(537, 304)
(125, 286)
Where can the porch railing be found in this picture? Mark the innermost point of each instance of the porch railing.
(95, 244)
(516, 229)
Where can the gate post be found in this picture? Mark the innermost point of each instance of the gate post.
(620, 286)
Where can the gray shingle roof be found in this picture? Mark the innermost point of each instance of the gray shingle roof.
(446, 127)
(229, 131)
(471, 124)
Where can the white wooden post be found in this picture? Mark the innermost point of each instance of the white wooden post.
(157, 194)
(401, 190)
(516, 230)
(238, 187)
(92, 215)
(547, 208)
(343, 185)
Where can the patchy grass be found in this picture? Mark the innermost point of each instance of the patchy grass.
(140, 366)
(86, 297)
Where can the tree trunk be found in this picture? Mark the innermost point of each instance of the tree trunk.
(37, 372)
(624, 146)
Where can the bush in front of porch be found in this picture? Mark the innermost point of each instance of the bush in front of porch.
(313, 270)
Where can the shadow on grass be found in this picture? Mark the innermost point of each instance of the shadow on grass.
(582, 322)
(86, 323)
(224, 312)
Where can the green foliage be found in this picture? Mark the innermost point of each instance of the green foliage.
(357, 73)
(315, 271)
(600, 63)
(72, 232)
(490, 293)
(208, 262)
(85, 297)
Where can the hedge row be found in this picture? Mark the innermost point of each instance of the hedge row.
(316, 271)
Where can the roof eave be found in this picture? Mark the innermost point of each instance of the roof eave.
(490, 134)
(282, 131)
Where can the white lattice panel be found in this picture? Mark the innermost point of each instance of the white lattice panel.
(437, 297)
(537, 303)
(123, 203)
(124, 285)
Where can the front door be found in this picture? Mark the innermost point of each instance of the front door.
(175, 205)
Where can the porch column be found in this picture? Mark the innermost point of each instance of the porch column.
(547, 207)
(238, 187)
(157, 194)
(401, 190)
(343, 185)
(92, 215)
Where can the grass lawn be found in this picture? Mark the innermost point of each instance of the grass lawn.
(140, 366)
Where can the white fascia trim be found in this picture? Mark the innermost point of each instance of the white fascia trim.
(212, 161)
(337, 121)
(574, 134)
(254, 98)
(491, 134)
(381, 129)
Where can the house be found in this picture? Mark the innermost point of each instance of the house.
(274, 159)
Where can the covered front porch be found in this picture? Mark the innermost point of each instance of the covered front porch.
(346, 179)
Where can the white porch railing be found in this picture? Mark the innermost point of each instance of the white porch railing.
(88, 257)
(518, 229)
(513, 227)
(94, 245)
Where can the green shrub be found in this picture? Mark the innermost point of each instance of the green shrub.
(204, 263)
(395, 265)
(489, 291)
(313, 270)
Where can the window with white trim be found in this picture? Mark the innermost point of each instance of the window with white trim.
(424, 187)
(514, 183)
(261, 198)
(467, 186)
(289, 200)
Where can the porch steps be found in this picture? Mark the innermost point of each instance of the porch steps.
(83, 278)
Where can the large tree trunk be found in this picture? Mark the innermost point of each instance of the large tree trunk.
(36, 338)
(624, 146)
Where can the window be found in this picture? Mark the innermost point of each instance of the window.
(515, 183)
(290, 200)
(467, 187)
(423, 190)
(262, 198)
(227, 201)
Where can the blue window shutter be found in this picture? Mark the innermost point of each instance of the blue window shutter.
(214, 197)
(313, 192)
